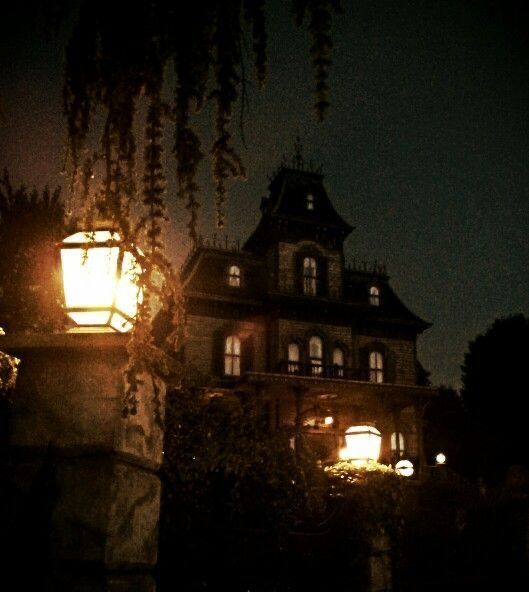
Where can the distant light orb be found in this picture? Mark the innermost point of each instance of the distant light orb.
(404, 468)
(329, 420)
(440, 458)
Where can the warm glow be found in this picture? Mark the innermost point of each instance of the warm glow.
(96, 293)
(362, 443)
(404, 468)
(329, 420)
(440, 459)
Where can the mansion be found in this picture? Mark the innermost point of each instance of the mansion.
(322, 344)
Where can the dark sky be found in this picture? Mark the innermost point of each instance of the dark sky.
(425, 148)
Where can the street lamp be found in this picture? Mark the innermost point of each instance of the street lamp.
(440, 458)
(362, 444)
(100, 281)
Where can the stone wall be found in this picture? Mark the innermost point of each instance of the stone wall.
(101, 485)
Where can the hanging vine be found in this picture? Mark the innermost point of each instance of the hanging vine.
(121, 55)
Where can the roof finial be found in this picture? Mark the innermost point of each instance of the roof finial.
(298, 154)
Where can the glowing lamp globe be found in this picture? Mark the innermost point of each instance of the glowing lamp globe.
(440, 458)
(405, 468)
(101, 291)
(362, 444)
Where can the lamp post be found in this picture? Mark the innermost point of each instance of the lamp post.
(100, 281)
(68, 398)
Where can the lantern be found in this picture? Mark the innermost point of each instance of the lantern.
(362, 443)
(101, 291)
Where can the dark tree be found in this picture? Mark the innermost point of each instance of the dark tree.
(31, 223)
(495, 390)
(444, 425)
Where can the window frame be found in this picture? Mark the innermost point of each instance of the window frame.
(316, 362)
(338, 369)
(309, 202)
(376, 366)
(310, 275)
(393, 443)
(293, 364)
(374, 295)
(232, 355)
(234, 276)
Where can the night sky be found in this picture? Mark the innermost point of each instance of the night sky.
(424, 150)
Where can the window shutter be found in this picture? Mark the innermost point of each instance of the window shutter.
(391, 370)
(299, 272)
(363, 359)
(247, 355)
(217, 356)
(323, 276)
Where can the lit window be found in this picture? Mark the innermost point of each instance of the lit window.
(374, 296)
(309, 276)
(234, 276)
(376, 367)
(316, 355)
(310, 201)
(393, 443)
(338, 361)
(232, 356)
(293, 358)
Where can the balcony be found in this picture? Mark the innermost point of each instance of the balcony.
(322, 371)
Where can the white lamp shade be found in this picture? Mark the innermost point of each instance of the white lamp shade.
(100, 281)
(362, 443)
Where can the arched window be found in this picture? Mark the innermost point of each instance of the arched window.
(234, 276)
(310, 201)
(232, 356)
(293, 358)
(316, 355)
(374, 296)
(309, 276)
(338, 361)
(376, 367)
(393, 443)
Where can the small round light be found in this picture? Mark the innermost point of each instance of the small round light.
(404, 468)
(329, 420)
(440, 458)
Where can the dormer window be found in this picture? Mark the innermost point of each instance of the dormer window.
(310, 201)
(234, 276)
(309, 276)
(374, 296)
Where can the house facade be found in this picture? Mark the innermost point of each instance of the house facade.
(283, 318)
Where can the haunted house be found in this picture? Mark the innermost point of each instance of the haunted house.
(283, 319)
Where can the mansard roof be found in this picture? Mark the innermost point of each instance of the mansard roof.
(285, 216)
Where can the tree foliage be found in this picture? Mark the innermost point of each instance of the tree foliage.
(168, 60)
(494, 392)
(31, 223)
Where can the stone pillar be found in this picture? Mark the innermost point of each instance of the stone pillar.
(100, 470)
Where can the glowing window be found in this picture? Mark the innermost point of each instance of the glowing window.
(310, 201)
(338, 361)
(309, 276)
(234, 276)
(374, 296)
(376, 367)
(393, 442)
(293, 358)
(316, 355)
(232, 356)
